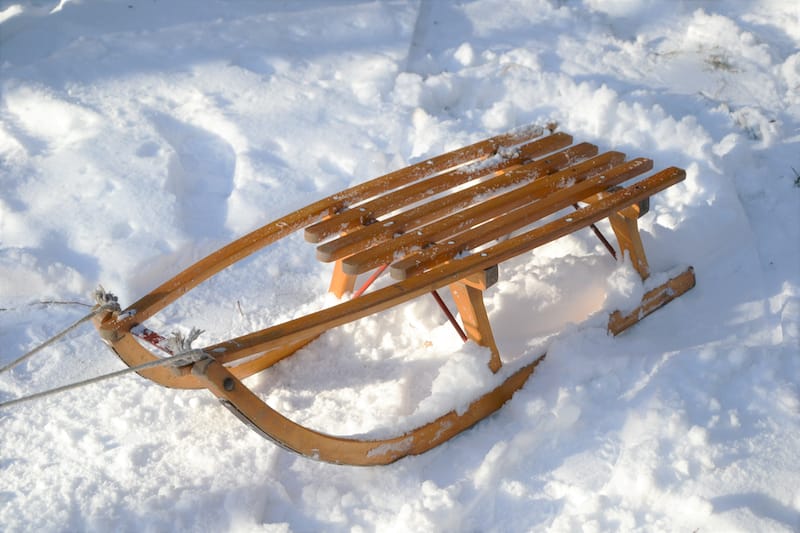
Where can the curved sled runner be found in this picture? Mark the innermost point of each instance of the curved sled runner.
(445, 222)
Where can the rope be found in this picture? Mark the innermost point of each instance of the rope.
(105, 301)
(48, 302)
(182, 359)
(179, 344)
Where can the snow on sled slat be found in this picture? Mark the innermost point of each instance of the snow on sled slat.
(457, 206)
(517, 219)
(487, 210)
(367, 213)
(411, 219)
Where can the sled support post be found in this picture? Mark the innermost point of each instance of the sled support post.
(468, 296)
(341, 282)
(626, 228)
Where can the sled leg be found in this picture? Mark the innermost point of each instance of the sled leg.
(468, 295)
(341, 282)
(626, 228)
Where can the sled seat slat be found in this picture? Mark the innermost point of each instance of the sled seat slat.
(430, 167)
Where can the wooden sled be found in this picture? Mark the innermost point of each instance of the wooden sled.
(449, 221)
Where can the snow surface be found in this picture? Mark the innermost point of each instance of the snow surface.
(138, 136)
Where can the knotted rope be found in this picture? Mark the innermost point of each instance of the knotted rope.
(105, 301)
(180, 345)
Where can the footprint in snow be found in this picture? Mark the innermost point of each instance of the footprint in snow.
(200, 176)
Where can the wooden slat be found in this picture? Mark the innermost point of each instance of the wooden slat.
(635, 211)
(403, 291)
(441, 163)
(179, 285)
(514, 220)
(407, 220)
(498, 206)
(368, 212)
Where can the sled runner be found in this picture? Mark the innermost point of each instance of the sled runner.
(450, 221)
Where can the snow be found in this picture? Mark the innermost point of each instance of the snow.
(138, 136)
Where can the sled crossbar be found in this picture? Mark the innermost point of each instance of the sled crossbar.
(450, 221)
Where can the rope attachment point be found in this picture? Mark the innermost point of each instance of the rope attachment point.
(106, 302)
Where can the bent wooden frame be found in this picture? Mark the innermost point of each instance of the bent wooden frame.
(447, 240)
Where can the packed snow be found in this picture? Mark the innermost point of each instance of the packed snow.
(138, 136)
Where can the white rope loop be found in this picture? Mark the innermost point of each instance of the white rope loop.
(178, 343)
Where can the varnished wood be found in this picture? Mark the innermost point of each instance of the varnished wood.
(437, 208)
(364, 452)
(268, 358)
(633, 211)
(308, 326)
(469, 302)
(441, 275)
(484, 279)
(442, 252)
(504, 204)
(626, 228)
(132, 353)
(653, 300)
(368, 212)
(341, 282)
(354, 451)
